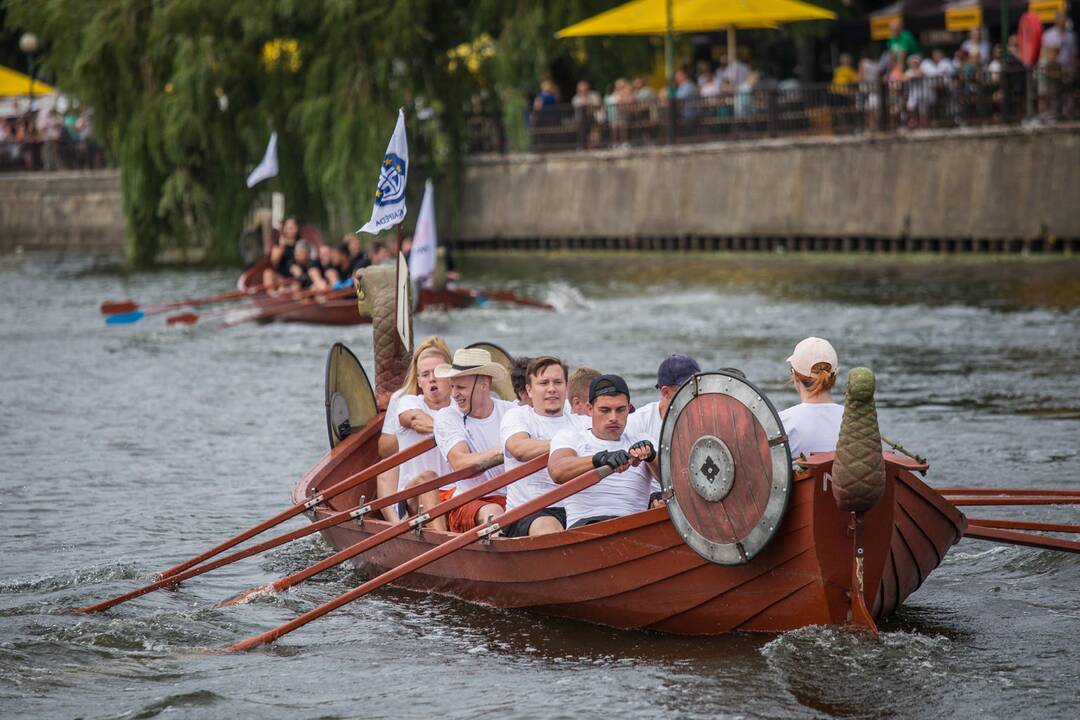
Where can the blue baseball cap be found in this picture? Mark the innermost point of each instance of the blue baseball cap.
(675, 370)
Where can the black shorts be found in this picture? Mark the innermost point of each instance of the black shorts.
(521, 527)
(592, 520)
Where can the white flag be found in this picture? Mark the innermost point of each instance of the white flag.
(425, 239)
(389, 207)
(268, 167)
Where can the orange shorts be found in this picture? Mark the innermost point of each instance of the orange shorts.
(464, 518)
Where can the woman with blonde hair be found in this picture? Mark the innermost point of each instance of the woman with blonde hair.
(814, 424)
(422, 395)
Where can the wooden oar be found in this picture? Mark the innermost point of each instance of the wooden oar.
(271, 305)
(965, 500)
(369, 431)
(509, 296)
(357, 513)
(271, 311)
(1024, 525)
(1013, 537)
(1007, 491)
(399, 528)
(440, 551)
(113, 307)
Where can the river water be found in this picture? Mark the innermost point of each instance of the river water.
(124, 450)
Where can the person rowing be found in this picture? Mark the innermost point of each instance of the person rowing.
(467, 434)
(814, 424)
(648, 419)
(424, 395)
(526, 433)
(282, 253)
(519, 367)
(577, 391)
(604, 443)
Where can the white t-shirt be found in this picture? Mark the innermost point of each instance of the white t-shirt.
(646, 421)
(812, 427)
(451, 427)
(431, 460)
(390, 423)
(622, 493)
(538, 427)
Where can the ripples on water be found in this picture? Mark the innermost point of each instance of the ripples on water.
(125, 450)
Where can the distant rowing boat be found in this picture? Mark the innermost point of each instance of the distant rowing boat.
(344, 312)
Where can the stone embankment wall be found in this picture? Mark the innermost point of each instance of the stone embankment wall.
(76, 212)
(988, 188)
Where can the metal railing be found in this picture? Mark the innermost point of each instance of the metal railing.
(944, 101)
(47, 155)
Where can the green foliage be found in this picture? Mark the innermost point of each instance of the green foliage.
(184, 97)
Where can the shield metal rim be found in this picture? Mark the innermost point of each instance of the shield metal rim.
(737, 553)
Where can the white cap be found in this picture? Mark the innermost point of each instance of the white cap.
(810, 352)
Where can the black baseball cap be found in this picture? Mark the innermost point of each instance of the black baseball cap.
(607, 385)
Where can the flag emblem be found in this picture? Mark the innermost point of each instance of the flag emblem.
(391, 180)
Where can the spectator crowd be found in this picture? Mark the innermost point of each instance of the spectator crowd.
(898, 85)
(46, 139)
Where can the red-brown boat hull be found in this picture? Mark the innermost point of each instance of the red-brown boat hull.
(344, 312)
(636, 572)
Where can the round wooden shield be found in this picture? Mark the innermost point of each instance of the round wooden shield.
(503, 388)
(350, 403)
(725, 467)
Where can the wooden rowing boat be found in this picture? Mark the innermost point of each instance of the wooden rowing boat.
(343, 312)
(636, 571)
(658, 569)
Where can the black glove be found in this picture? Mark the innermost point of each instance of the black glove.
(645, 444)
(612, 458)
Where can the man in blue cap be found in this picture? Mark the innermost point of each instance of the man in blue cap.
(672, 373)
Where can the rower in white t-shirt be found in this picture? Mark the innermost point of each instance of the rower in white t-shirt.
(577, 450)
(526, 433)
(467, 434)
(648, 419)
(387, 482)
(814, 424)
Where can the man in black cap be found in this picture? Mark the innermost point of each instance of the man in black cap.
(606, 442)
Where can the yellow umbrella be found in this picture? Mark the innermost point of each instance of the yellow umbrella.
(668, 17)
(14, 83)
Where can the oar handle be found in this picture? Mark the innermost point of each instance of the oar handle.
(565, 490)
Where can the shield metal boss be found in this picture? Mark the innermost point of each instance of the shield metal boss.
(725, 467)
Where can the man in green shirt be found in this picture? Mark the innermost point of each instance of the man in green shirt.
(902, 44)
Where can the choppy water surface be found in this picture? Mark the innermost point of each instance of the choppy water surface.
(125, 450)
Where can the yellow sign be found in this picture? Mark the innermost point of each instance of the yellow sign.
(879, 26)
(959, 19)
(1046, 10)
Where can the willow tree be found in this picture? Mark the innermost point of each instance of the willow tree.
(186, 92)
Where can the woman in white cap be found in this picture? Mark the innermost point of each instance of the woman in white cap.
(814, 424)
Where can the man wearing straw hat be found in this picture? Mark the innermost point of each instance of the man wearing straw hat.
(467, 433)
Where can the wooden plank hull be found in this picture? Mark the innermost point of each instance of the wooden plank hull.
(636, 572)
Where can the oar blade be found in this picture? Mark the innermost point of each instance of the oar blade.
(118, 307)
(188, 318)
(125, 318)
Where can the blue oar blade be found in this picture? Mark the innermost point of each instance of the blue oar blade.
(125, 318)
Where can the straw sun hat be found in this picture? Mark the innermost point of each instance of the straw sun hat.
(471, 361)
